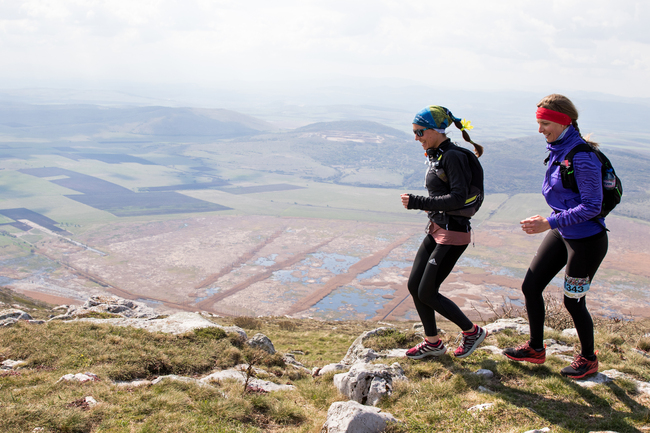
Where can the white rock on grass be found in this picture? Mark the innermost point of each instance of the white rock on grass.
(357, 352)
(353, 417)
(480, 407)
(240, 376)
(175, 378)
(368, 383)
(484, 372)
(79, 377)
(261, 341)
(290, 359)
(541, 430)
(14, 314)
(554, 347)
(9, 364)
(178, 323)
(492, 349)
(642, 387)
(329, 368)
(611, 375)
(132, 383)
(570, 332)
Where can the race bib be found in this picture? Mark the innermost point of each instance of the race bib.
(575, 288)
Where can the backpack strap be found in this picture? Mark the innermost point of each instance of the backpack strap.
(566, 166)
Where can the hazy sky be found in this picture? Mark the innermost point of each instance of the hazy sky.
(592, 45)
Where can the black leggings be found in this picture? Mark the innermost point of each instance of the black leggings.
(432, 264)
(582, 258)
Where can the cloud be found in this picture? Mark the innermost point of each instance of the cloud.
(593, 44)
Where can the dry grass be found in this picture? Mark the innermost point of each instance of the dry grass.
(435, 398)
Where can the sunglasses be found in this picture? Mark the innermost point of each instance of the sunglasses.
(420, 132)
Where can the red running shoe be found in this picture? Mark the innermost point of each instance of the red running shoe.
(426, 349)
(580, 368)
(526, 353)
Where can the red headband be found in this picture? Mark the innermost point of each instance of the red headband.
(553, 116)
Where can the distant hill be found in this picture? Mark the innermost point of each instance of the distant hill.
(57, 121)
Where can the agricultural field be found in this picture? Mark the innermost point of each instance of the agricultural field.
(306, 223)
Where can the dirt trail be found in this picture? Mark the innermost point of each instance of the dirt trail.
(207, 303)
(240, 261)
(342, 279)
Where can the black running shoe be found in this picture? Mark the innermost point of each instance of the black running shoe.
(526, 353)
(580, 368)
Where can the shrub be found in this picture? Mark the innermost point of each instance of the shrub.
(247, 322)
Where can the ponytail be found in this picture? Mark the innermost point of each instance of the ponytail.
(478, 149)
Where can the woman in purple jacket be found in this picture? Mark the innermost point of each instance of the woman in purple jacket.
(577, 237)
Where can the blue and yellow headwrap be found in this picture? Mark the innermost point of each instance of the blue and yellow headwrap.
(440, 118)
(435, 117)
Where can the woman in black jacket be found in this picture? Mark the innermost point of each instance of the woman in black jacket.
(448, 181)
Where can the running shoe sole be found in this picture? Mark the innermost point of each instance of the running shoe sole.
(580, 376)
(532, 360)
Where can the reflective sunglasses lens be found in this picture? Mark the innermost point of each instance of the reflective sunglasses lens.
(419, 132)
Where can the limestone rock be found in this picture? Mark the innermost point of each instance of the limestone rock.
(173, 377)
(480, 407)
(368, 383)
(642, 387)
(178, 323)
(79, 377)
(492, 349)
(261, 341)
(132, 383)
(290, 359)
(554, 347)
(8, 322)
(329, 368)
(418, 328)
(484, 372)
(352, 417)
(14, 314)
(9, 364)
(359, 353)
(240, 376)
(570, 332)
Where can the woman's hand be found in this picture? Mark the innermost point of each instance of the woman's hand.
(535, 224)
(405, 200)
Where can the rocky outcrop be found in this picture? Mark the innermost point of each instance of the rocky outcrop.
(108, 304)
(359, 353)
(611, 375)
(13, 315)
(261, 341)
(9, 364)
(239, 374)
(368, 383)
(178, 323)
(79, 377)
(352, 417)
(518, 324)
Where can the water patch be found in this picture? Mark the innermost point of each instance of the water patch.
(335, 263)
(6, 281)
(149, 301)
(209, 292)
(287, 276)
(266, 261)
(351, 303)
(375, 270)
(470, 262)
